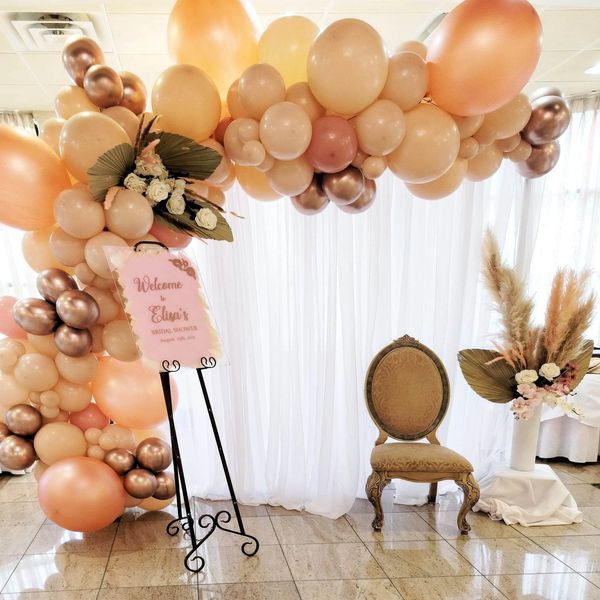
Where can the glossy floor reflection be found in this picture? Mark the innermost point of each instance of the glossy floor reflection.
(418, 555)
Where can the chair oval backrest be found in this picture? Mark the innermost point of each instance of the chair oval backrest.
(407, 389)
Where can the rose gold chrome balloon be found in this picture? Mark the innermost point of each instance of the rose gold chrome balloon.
(4, 432)
(134, 92)
(364, 200)
(541, 160)
(79, 54)
(166, 486)
(140, 483)
(23, 419)
(73, 342)
(77, 309)
(344, 187)
(35, 316)
(51, 283)
(103, 85)
(550, 117)
(16, 453)
(154, 454)
(120, 460)
(312, 200)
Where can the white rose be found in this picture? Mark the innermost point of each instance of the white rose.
(151, 169)
(135, 183)
(526, 376)
(206, 219)
(179, 185)
(549, 371)
(158, 191)
(176, 204)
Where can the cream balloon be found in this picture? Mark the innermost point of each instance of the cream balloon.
(44, 344)
(119, 342)
(485, 164)
(430, 145)
(35, 246)
(86, 136)
(442, 186)
(78, 370)
(522, 152)
(469, 147)
(36, 372)
(300, 94)
(94, 252)
(127, 119)
(188, 101)
(224, 168)
(56, 441)
(415, 46)
(347, 66)
(72, 100)
(234, 102)
(67, 249)
(290, 177)
(380, 128)
(406, 82)
(373, 167)
(73, 397)
(259, 87)
(78, 213)
(11, 391)
(285, 130)
(109, 311)
(50, 132)
(467, 126)
(238, 134)
(130, 215)
(509, 119)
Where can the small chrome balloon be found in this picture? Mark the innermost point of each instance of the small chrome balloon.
(364, 200)
(79, 54)
(134, 92)
(120, 460)
(51, 283)
(312, 200)
(35, 316)
(344, 187)
(140, 483)
(154, 454)
(550, 117)
(73, 342)
(166, 486)
(103, 85)
(16, 453)
(77, 309)
(541, 160)
(23, 419)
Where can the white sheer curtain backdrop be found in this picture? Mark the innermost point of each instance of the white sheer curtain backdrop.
(303, 304)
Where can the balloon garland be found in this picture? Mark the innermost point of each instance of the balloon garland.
(318, 117)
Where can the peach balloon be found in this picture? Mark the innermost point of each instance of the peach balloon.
(11, 392)
(469, 147)
(485, 164)
(125, 118)
(130, 214)
(50, 132)
(380, 128)
(36, 372)
(234, 102)
(152, 503)
(44, 344)
(188, 102)
(31, 176)
(73, 396)
(94, 252)
(255, 183)
(508, 144)
(407, 79)
(429, 148)
(72, 100)
(482, 54)
(130, 393)
(259, 87)
(119, 342)
(467, 126)
(8, 325)
(509, 119)
(109, 307)
(169, 237)
(300, 94)
(347, 66)
(38, 469)
(91, 416)
(442, 186)
(81, 494)
(521, 152)
(56, 441)
(81, 369)
(415, 46)
(116, 436)
(143, 434)
(78, 213)
(285, 131)
(65, 248)
(35, 247)
(285, 44)
(229, 25)
(85, 137)
(290, 177)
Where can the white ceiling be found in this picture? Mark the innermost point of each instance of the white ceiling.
(136, 39)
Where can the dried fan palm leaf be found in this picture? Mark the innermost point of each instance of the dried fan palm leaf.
(110, 169)
(491, 380)
(582, 362)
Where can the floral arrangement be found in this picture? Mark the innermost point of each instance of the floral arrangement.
(532, 364)
(163, 167)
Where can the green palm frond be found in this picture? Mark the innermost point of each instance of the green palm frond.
(110, 169)
(492, 381)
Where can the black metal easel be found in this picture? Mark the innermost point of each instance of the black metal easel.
(185, 520)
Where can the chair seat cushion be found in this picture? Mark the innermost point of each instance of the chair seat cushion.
(417, 457)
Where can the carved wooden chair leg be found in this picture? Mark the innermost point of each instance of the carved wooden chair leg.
(432, 492)
(471, 490)
(374, 487)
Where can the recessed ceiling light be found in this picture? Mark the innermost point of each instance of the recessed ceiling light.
(595, 70)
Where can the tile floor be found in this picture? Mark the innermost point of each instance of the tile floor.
(419, 555)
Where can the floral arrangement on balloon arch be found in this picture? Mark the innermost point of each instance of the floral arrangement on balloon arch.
(532, 364)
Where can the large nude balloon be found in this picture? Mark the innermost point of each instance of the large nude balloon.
(380, 128)
(482, 54)
(130, 393)
(31, 176)
(430, 145)
(226, 27)
(78, 213)
(407, 79)
(130, 215)
(94, 252)
(442, 186)
(507, 120)
(285, 130)
(81, 494)
(259, 87)
(84, 137)
(347, 66)
(125, 118)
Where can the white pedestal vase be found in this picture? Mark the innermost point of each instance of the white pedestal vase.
(524, 441)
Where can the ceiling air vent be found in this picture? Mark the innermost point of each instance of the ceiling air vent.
(46, 32)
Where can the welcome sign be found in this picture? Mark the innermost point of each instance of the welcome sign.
(163, 299)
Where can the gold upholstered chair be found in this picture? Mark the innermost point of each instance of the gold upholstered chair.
(407, 394)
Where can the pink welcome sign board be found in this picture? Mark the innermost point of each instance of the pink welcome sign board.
(162, 297)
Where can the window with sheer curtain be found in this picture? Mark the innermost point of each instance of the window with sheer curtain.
(303, 303)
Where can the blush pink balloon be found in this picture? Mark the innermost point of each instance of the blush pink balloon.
(91, 416)
(333, 145)
(169, 237)
(7, 324)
